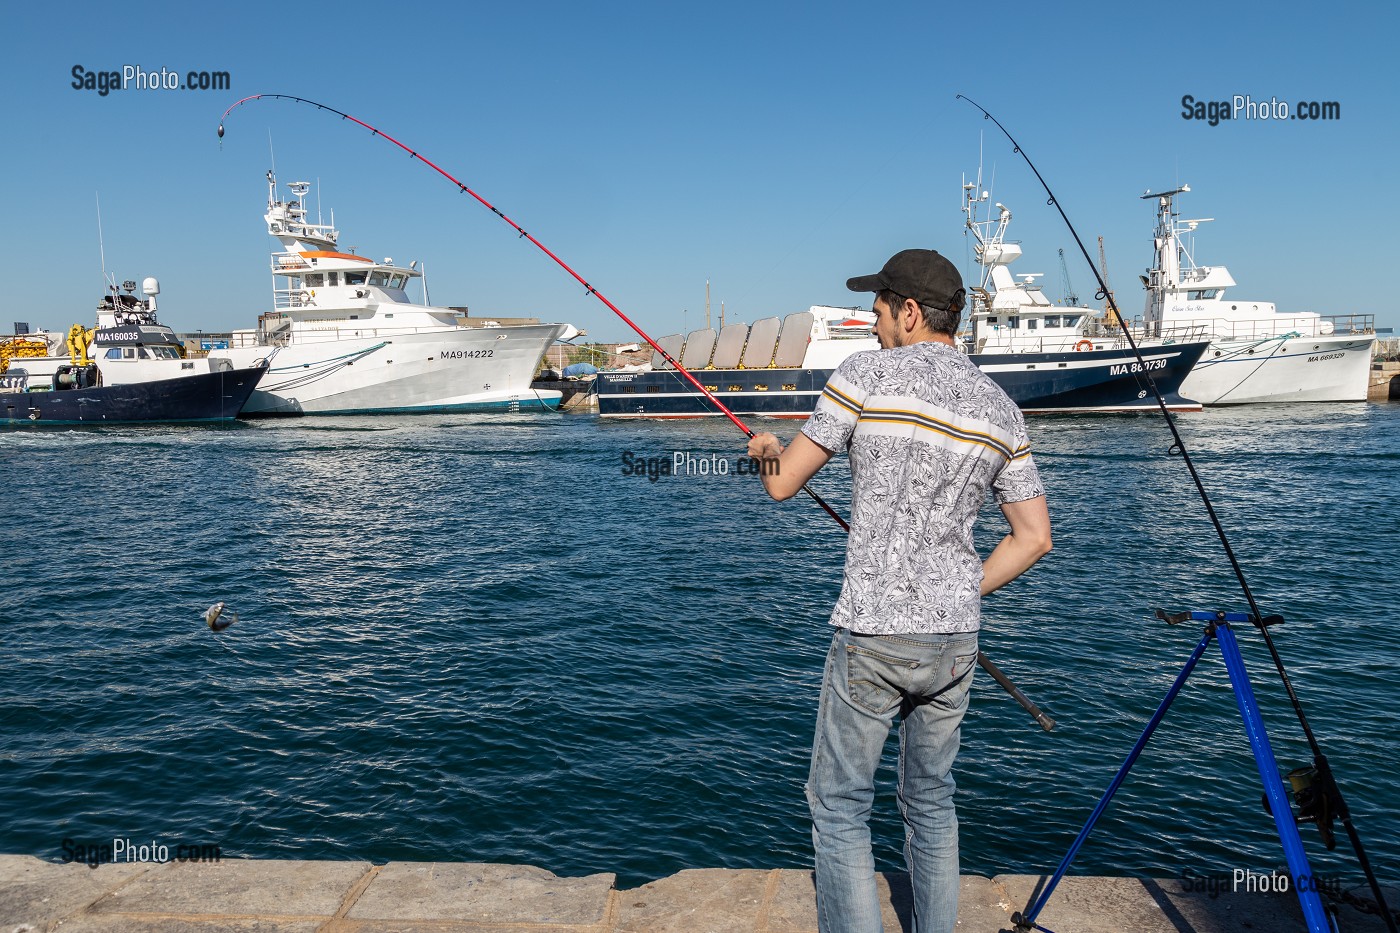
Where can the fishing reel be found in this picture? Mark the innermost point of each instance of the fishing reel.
(1317, 800)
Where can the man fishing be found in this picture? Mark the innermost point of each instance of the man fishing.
(927, 434)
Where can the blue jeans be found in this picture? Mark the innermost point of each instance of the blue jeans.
(869, 680)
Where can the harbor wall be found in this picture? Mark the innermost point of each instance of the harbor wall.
(279, 896)
(1385, 382)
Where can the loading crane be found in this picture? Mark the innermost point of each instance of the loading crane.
(1071, 299)
(1108, 319)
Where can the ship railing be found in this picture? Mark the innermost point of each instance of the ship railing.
(289, 262)
(1361, 324)
(306, 334)
(1176, 332)
(1014, 343)
(1282, 325)
(283, 298)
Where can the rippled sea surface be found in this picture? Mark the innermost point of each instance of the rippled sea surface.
(468, 638)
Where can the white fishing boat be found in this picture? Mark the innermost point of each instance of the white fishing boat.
(344, 338)
(1257, 354)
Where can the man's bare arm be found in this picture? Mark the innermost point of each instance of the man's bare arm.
(1027, 543)
(798, 463)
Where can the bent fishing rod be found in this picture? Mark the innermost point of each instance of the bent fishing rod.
(1178, 448)
(1045, 721)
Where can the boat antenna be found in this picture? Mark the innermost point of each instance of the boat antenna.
(1327, 781)
(1045, 722)
(101, 247)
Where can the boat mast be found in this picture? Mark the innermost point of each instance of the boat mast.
(1165, 275)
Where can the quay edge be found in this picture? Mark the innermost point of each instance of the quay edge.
(1385, 383)
(39, 896)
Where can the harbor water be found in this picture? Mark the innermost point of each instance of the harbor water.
(468, 638)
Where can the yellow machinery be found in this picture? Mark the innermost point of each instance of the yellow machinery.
(79, 339)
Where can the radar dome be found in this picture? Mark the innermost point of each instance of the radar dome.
(150, 286)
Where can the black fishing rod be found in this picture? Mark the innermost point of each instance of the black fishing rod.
(1045, 721)
(1329, 794)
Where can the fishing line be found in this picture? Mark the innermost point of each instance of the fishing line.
(1046, 722)
(563, 265)
(1178, 448)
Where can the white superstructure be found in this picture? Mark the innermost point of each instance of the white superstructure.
(1256, 354)
(343, 336)
(128, 346)
(1010, 313)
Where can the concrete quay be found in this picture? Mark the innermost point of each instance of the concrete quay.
(269, 896)
(1385, 383)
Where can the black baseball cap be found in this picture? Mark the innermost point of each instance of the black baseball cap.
(921, 274)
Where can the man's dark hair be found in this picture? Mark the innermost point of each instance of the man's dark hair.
(939, 320)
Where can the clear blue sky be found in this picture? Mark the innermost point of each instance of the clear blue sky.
(772, 149)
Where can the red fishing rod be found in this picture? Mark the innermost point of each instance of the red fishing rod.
(1045, 721)
(548, 252)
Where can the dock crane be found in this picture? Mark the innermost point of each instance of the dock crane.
(1070, 298)
(1108, 319)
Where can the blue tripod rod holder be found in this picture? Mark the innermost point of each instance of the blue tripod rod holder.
(1217, 629)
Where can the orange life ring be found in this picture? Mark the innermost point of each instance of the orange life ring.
(1084, 345)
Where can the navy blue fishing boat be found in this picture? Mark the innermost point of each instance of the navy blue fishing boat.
(129, 368)
(778, 369)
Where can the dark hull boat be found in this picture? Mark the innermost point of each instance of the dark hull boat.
(1094, 381)
(216, 396)
(128, 369)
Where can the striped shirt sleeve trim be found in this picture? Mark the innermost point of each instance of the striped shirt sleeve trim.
(842, 399)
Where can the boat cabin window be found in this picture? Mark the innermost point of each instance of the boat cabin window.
(354, 278)
(315, 280)
(1031, 323)
(143, 354)
(991, 320)
(379, 278)
(332, 278)
(397, 281)
(1203, 294)
(1013, 322)
(115, 353)
(129, 353)
(1072, 320)
(1052, 320)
